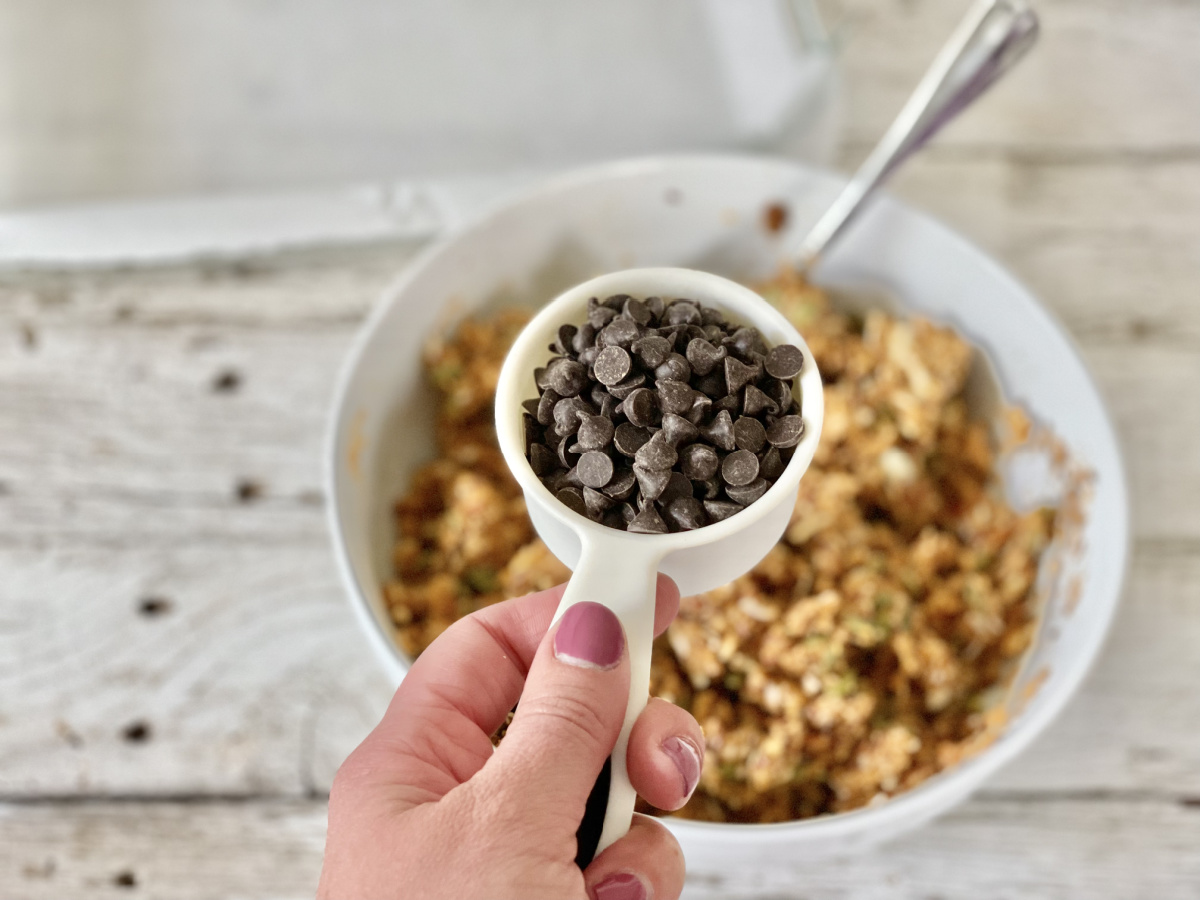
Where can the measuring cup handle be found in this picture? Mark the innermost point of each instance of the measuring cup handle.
(625, 582)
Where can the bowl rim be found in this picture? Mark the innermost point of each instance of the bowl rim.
(941, 790)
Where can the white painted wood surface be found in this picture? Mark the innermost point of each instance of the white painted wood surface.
(121, 461)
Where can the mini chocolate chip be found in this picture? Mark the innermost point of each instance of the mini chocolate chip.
(683, 312)
(656, 453)
(786, 431)
(629, 438)
(737, 375)
(542, 460)
(595, 432)
(545, 407)
(612, 365)
(678, 430)
(755, 402)
(701, 406)
(595, 468)
(636, 311)
(566, 415)
(784, 361)
(566, 339)
(675, 397)
(720, 510)
(599, 317)
(703, 356)
(641, 407)
(572, 498)
(622, 484)
(596, 503)
(624, 388)
(651, 351)
(746, 494)
(686, 514)
(675, 368)
(749, 434)
(771, 464)
(699, 462)
(739, 468)
(651, 482)
(585, 337)
(619, 333)
(648, 521)
(656, 306)
(567, 376)
(719, 431)
(678, 486)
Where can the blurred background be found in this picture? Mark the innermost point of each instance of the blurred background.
(199, 204)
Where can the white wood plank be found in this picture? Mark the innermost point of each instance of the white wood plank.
(993, 847)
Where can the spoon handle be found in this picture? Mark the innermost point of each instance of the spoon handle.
(992, 37)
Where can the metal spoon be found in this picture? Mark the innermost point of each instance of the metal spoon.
(992, 37)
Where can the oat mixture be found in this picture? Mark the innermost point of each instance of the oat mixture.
(856, 660)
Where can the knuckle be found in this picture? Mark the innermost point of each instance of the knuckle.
(572, 716)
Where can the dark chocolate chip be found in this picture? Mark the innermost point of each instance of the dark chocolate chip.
(573, 499)
(720, 510)
(608, 406)
(780, 392)
(711, 316)
(678, 487)
(648, 521)
(542, 460)
(719, 431)
(641, 407)
(786, 431)
(711, 385)
(686, 514)
(615, 302)
(675, 368)
(566, 339)
(567, 376)
(656, 306)
(730, 403)
(755, 402)
(656, 453)
(629, 438)
(566, 414)
(623, 389)
(746, 494)
(564, 454)
(596, 503)
(572, 479)
(699, 462)
(637, 311)
(737, 375)
(739, 468)
(712, 488)
(749, 434)
(703, 356)
(701, 407)
(533, 431)
(651, 482)
(545, 407)
(596, 468)
(678, 430)
(622, 484)
(619, 333)
(771, 464)
(612, 365)
(747, 341)
(683, 312)
(675, 397)
(531, 406)
(715, 334)
(651, 351)
(585, 337)
(599, 317)
(595, 432)
(784, 361)
(540, 378)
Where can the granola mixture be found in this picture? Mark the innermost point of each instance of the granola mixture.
(853, 662)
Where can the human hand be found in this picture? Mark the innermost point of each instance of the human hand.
(425, 808)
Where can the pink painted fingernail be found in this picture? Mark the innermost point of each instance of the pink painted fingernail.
(687, 761)
(589, 635)
(621, 886)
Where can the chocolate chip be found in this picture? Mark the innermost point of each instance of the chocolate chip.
(675, 368)
(786, 431)
(711, 316)
(675, 397)
(564, 454)
(656, 306)
(624, 388)
(720, 510)
(651, 482)
(629, 438)
(599, 317)
(747, 341)
(711, 385)
(712, 488)
(641, 407)
(701, 409)
(730, 403)
(595, 468)
(771, 464)
(637, 311)
(749, 434)
(719, 431)
(572, 479)
(540, 376)
(683, 312)
(595, 432)
(703, 356)
(615, 302)
(542, 460)
(596, 503)
(608, 406)
(656, 453)
(566, 340)
(648, 521)
(531, 406)
(747, 493)
(678, 430)
(739, 468)
(780, 392)
(566, 415)
(567, 377)
(651, 351)
(573, 499)
(619, 333)
(784, 361)
(678, 486)
(686, 514)
(622, 484)
(756, 403)
(612, 365)
(737, 375)
(698, 462)
(585, 337)
(545, 407)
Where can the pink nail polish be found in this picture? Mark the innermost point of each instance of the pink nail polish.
(621, 886)
(687, 761)
(589, 635)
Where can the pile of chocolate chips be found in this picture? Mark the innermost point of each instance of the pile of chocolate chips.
(655, 417)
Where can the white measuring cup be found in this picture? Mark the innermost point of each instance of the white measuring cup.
(619, 569)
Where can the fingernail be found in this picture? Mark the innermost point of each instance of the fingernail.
(687, 761)
(589, 635)
(621, 886)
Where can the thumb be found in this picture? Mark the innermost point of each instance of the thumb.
(570, 712)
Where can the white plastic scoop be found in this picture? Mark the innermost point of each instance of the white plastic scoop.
(617, 568)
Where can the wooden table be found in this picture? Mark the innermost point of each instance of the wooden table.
(179, 674)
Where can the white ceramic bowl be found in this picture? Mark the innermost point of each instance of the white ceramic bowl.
(706, 213)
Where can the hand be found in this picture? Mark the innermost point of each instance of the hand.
(425, 808)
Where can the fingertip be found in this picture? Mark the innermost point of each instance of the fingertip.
(666, 754)
(646, 864)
